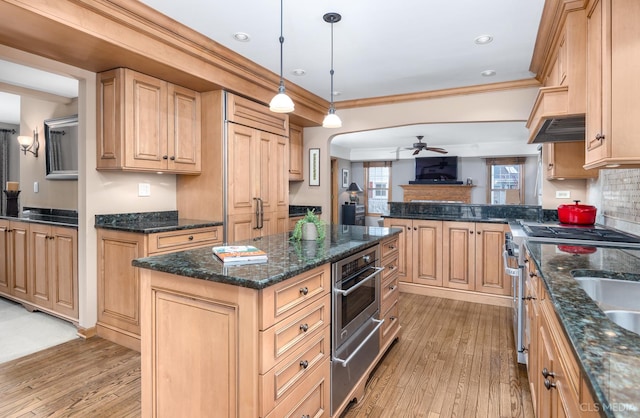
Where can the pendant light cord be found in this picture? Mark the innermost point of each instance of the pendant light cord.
(331, 71)
(281, 39)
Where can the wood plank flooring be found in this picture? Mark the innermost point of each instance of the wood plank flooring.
(453, 359)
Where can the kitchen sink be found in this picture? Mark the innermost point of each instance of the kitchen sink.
(619, 299)
(612, 294)
(629, 320)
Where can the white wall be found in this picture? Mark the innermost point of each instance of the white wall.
(508, 105)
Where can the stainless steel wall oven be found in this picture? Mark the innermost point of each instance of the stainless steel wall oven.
(355, 337)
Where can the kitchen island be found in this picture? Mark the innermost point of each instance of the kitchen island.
(244, 340)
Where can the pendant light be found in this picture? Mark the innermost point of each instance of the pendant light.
(332, 120)
(281, 103)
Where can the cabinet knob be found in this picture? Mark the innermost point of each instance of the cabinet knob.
(190, 237)
(478, 232)
(304, 291)
(532, 274)
(548, 384)
(304, 364)
(164, 157)
(415, 228)
(408, 228)
(546, 373)
(392, 287)
(173, 158)
(304, 327)
(599, 137)
(471, 232)
(529, 298)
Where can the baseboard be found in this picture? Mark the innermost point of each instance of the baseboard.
(124, 338)
(87, 333)
(455, 294)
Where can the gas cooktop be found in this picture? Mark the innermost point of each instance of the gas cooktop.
(582, 235)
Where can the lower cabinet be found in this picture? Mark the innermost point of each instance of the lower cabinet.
(455, 255)
(40, 266)
(558, 387)
(217, 350)
(389, 291)
(119, 282)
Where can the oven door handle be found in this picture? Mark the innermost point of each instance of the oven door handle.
(513, 272)
(366, 279)
(345, 362)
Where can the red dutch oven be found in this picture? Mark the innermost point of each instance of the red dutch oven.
(577, 214)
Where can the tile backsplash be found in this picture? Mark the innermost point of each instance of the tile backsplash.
(618, 192)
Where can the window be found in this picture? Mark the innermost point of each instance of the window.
(506, 180)
(378, 187)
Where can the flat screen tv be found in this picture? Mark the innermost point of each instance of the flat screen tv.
(436, 169)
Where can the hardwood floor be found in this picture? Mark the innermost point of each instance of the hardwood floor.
(453, 359)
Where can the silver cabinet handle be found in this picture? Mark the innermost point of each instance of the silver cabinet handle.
(345, 362)
(366, 279)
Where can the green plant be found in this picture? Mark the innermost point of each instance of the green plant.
(310, 217)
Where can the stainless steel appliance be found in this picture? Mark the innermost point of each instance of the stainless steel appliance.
(355, 338)
(515, 269)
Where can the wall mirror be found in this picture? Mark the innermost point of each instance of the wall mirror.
(61, 148)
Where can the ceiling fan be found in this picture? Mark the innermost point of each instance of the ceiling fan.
(419, 146)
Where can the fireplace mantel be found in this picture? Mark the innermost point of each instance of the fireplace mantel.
(437, 192)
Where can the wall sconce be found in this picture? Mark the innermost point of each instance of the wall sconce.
(30, 144)
(353, 190)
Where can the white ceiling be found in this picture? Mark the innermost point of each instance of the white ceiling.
(381, 48)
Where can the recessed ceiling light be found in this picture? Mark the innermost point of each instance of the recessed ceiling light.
(298, 72)
(241, 37)
(337, 93)
(488, 73)
(483, 39)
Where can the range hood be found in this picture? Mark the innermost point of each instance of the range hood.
(556, 117)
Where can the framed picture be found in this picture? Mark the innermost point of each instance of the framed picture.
(314, 167)
(345, 178)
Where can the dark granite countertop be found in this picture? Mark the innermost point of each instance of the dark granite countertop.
(58, 217)
(150, 222)
(450, 218)
(464, 212)
(608, 354)
(286, 258)
(297, 210)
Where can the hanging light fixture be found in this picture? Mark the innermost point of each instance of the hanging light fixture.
(281, 103)
(332, 120)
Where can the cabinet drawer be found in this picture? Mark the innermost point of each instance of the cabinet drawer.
(391, 325)
(390, 265)
(179, 240)
(287, 297)
(284, 337)
(311, 398)
(389, 247)
(389, 292)
(285, 377)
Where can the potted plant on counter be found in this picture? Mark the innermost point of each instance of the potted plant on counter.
(309, 228)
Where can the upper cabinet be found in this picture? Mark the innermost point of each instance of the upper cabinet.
(564, 160)
(295, 153)
(613, 85)
(559, 109)
(147, 124)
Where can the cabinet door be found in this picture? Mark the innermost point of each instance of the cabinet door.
(64, 271)
(20, 283)
(530, 340)
(5, 257)
(489, 271)
(241, 227)
(405, 247)
(427, 252)
(266, 174)
(594, 118)
(281, 173)
(145, 122)
(183, 131)
(564, 160)
(547, 399)
(243, 155)
(459, 255)
(40, 263)
(295, 153)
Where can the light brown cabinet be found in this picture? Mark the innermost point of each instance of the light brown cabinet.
(558, 387)
(119, 281)
(40, 267)
(471, 257)
(613, 87)
(147, 124)
(389, 292)
(565, 160)
(266, 364)
(247, 153)
(296, 149)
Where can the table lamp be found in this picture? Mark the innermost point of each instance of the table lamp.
(353, 190)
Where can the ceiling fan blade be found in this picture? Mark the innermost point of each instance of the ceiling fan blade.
(440, 150)
(415, 152)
